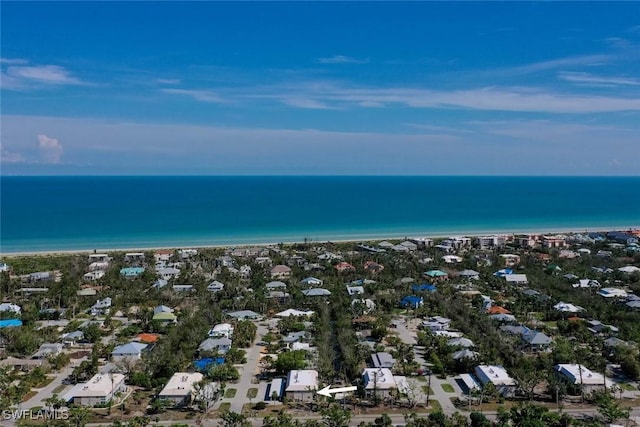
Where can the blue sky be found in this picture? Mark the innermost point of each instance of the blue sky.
(420, 88)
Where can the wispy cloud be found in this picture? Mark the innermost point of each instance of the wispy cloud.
(13, 61)
(341, 59)
(306, 103)
(197, 94)
(590, 79)
(168, 81)
(46, 74)
(554, 64)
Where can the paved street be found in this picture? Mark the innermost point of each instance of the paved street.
(248, 373)
(46, 392)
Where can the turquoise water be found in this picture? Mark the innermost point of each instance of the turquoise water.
(68, 213)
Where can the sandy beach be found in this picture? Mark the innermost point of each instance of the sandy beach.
(364, 238)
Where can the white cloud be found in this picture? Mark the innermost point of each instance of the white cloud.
(46, 74)
(13, 61)
(11, 157)
(590, 79)
(307, 103)
(197, 94)
(50, 149)
(168, 81)
(341, 59)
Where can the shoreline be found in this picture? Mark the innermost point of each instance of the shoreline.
(356, 238)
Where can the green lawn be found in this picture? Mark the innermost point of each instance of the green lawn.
(252, 393)
(58, 389)
(230, 393)
(426, 389)
(224, 407)
(448, 388)
(627, 387)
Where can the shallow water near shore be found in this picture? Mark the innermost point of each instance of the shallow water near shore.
(85, 213)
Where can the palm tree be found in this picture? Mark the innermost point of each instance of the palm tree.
(79, 415)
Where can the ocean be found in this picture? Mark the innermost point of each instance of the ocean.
(86, 213)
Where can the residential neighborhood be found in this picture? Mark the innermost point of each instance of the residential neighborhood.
(440, 330)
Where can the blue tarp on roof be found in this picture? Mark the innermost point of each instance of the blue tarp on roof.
(412, 301)
(207, 362)
(503, 272)
(8, 323)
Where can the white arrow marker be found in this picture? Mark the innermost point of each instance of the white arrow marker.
(327, 391)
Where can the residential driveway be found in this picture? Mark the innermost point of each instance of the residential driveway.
(248, 373)
(46, 392)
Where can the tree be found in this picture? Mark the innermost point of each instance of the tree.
(205, 394)
(158, 406)
(54, 402)
(609, 408)
(78, 416)
(233, 419)
(289, 361)
(333, 416)
(478, 419)
(281, 420)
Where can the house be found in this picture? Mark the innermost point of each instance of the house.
(378, 381)
(567, 308)
(465, 354)
(452, 259)
(316, 292)
(579, 375)
(100, 389)
(48, 349)
(281, 272)
(586, 283)
(245, 315)
(292, 312)
(499, 377)
(460, 342)
(216, 345)
(355, 290)
(302, 385)
(411, 301)
(629, 269)
(469, 274)
(437, 274)
(311, 281)
(489, 242)
(276, 285)
(597, 327)
(293, 337)
(165, 317)
(187, 253)
(409, 245)
(612, 293)
(131, 272)
(554, 242)
(101, 307)
(275, 389)
(345, 267)
(516, 279)
(134, 257)
(373, 267)
(9, 307)
(536, 341)
(436, 323)
(221, 330)
(400, 248)
(180, 387)
(510, 260)
(4, 267)
(382, 360)
(72, 338)
(131, 351)
(162, 309)
(167, 273)
(182, 288)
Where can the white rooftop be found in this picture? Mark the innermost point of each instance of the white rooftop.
(302, 380)
(379, 378)
(181, 384)
(577, 374)
(99, 385)
(494, 374)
